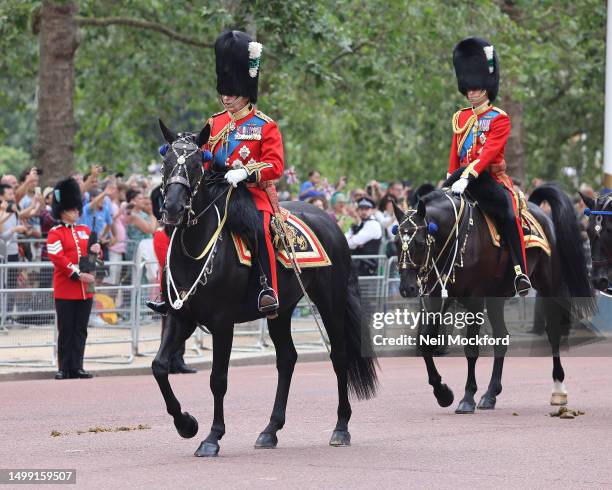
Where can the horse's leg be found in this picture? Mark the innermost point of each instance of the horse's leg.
(554, 316)
(444, 395)
(174, 334)
(222, 347)
(332, 311)
(467, 403)
(286, 357)
(495, 311)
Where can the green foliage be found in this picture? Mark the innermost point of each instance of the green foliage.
(13, 160)
(361, 88)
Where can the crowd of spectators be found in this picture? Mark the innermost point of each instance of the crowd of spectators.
(121, 212)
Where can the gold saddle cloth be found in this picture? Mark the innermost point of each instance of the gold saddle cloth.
(309, 251)
(533, 232)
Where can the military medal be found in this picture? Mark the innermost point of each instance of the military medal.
(244, 151)
(248, 132)
(485, 124)
(482, 138)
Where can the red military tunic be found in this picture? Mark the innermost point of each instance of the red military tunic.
(251, 140)
(66, 244)
(161, 243)
(479, 140)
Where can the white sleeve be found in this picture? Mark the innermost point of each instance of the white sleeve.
(371, 231)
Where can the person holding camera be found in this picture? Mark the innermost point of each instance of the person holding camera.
(70, 249)
(10, 227)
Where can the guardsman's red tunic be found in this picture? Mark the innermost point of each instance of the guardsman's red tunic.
(252, 140)
(66, 244)
(479, 140)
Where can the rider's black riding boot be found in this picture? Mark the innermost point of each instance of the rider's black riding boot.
(522, 284)
(160, 307)
(177, 363)
(267, 302)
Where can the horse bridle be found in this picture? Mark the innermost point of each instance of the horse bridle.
(406, 235)
(183, 149)
(424, 270)
(599, 215)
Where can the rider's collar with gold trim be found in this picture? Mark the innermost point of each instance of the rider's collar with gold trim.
(482, 108)
(241, 114)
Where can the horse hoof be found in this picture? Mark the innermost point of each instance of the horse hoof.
(444, 395)
(487, 403)
(558, 399)
(466, 407)
(340, 438)
(186, 425)
(207, 450)
(266, 441)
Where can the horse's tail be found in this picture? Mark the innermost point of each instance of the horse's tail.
(362, 363)
(572, 260)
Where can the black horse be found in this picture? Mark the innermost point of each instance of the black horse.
(599, 230)
(451, 233)
(215, 290)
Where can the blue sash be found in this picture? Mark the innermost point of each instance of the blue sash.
(483, 123)
(221, 155)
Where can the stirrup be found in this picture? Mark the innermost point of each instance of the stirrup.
(269, 308)
(522, 284)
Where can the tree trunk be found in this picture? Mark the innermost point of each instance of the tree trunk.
(515, 149)
(54, 150)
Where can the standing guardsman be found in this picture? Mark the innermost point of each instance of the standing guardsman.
(480, 133)
(67, 244)
(247, 142)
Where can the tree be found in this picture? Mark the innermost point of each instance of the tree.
(357, 89)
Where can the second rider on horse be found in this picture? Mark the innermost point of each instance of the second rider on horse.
(480, 133)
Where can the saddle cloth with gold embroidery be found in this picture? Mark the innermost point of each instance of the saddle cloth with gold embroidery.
(309, 251)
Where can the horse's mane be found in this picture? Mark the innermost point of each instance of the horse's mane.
(242, 216)
(432, 196)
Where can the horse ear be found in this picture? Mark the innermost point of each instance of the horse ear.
(169, 135)
(202, 138)
(421, 209)
(589, 201)
(399, 214)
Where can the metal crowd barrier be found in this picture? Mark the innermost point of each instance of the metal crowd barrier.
(121, 327)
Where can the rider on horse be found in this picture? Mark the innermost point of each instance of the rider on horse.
(247, 145)
(480, 133)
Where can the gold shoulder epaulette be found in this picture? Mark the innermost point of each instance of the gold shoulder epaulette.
(218, 114)
(263, 116)
(501, 111)
(456, 128)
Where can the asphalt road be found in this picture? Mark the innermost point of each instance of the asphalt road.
(402, 438)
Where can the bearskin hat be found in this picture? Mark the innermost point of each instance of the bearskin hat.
(476, 66)
(237, 60)
(66, 196)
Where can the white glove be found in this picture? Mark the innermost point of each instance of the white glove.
(235, 176)
(460, 185)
